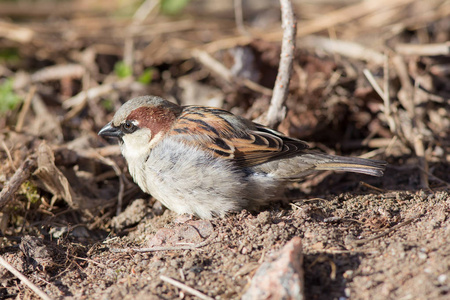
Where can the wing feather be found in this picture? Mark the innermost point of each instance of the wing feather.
(231, 137)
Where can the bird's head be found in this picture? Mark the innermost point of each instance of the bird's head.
(140, 124)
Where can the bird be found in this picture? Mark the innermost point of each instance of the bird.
(208, 162)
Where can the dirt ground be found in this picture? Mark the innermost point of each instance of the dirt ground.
(74, 220)
(358, 245)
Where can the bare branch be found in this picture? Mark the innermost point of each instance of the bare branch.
(21, 175)
(277, 110)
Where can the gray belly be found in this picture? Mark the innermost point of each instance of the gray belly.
(190, 181)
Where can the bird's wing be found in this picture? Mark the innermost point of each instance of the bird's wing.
(231, 137)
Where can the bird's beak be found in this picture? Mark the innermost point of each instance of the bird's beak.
(110, 130)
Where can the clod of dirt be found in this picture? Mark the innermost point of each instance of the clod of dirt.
(131, 216)
(189, 232)
(39, 255)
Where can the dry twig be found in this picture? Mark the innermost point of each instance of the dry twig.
(277, 110)
(58, 72)
(343, 15)
(344, 48)
(8, 153)
(386, 100)
(21, 175)
(220, 70)
(24, 280)
(16, 33)
(372, 143)
(25, 108)
(185, 288)
(146, 8)
(362, 242)
(414, 135)
(239, 17)
(167, 248)
(79, 101)
(324, 22)
(434, 177)
(423, 50)
(371, 187)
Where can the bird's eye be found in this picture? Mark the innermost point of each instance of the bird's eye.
(128, 127)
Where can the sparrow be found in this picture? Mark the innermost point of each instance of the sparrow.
(207, 161)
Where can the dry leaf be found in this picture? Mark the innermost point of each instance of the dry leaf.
(51, 177)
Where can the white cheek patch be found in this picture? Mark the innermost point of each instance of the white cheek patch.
(136, 145)
(155, 139)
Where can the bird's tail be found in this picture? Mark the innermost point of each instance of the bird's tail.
(350, 164)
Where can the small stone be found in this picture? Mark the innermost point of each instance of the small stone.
(280, 278)
(189, 234)
(263, 217)
(348, 274)
(442, 278)
(156, 264)
(422, 255)
(347, 292)
(161, 237)
(204, 227)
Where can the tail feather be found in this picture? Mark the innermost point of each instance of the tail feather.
(352, 164)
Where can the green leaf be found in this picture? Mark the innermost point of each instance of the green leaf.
(173, 7)
(31, 192)
(122, 70)
(147, 76)
(107, 105)
(9, 100)
(9, 55)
